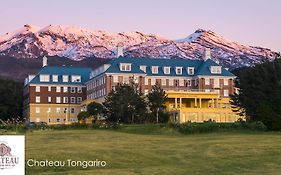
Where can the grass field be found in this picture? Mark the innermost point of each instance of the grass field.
(153, 150)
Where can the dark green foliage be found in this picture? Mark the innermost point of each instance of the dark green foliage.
(10, 100)
(94, 108)
(156, 100)
(152, 118)
(209, 127)
(125, 104)
(82, 115)
(260, 93)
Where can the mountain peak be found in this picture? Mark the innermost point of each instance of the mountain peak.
(77, 43)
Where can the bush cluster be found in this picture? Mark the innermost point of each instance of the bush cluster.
(210, 126)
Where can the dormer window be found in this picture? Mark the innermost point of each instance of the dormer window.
(166, 70)
(125, 66)
(65, 78)
(143, 68)
(190, 70)
(178, 70)
(55, 78)
(216, 69)
(154, 69)
(44, 78)
(76, 78)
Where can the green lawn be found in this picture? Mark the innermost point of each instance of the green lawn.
(152, 150)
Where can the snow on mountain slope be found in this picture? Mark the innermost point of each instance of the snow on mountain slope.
(77, 43)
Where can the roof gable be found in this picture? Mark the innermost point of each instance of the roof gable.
(63, 70)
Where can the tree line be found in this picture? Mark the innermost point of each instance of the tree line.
(10, 100)
(126, 104)
(259, 96)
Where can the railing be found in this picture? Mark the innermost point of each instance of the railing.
(188, 90)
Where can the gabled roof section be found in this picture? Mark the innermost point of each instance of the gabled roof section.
(201, 67)
(62, 70)
(205, 70)
(149, 62)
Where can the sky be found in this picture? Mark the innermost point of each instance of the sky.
(250, 22)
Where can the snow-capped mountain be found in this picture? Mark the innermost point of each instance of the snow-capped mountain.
(77, 43)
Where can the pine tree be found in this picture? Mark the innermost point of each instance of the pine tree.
(260, 93)
(125, 104)
(156, 98)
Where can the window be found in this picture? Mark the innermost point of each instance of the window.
(79, 99)
(125, 66)
(145, 91)
(58, 89)
(65, 99)
(216, 69)
(37, 89)
(187, 83)
(49, 110)
(65, 78)
(163, 81)
(216, 83)
(171, 82)
(181, 82)
(153, 81)
(58, 119)
(226, 82)
(225, 93)
(72, 110)
(58, 110)
(65, 89)
(37, 99)
(55, 78)
(75, 78)
(126, 80)
(207, 81)
(37, 110)
(167, 70)
(49, 99)
(65, 110)
(190, 70)
(44, 78)
(145, 81)
(72, 100)
(72, 89)
(79, 89)
(154, 69)
(178, 70)
(136, 79)
(143, 68)
(115, 79)
(58, 100)
(49, 88)
(176, 82)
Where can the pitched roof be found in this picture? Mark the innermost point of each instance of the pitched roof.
(204, 69)
(62, 70)
(201, 67)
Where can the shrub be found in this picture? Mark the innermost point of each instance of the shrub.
(210, 126)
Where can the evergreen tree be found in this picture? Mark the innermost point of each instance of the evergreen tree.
(94, 109)
(125, 104)
(156, 98)
(260, 93)
(10, 100)
(82, 116)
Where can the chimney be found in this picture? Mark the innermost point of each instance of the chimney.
(45, 61)
(120, 52)
(207, 54)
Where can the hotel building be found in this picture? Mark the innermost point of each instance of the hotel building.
(197, 90)
(54, 94)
